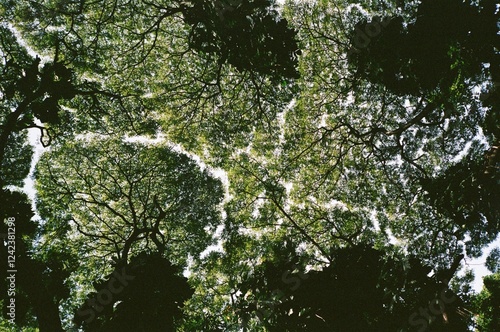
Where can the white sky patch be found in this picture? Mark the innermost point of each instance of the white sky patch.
(24, 44)
(336, 204)
(213, 248)
(392, 239)
(477, 265)
(288, 187)
(478, 138)
(280, 117)
(373, 218)
(322, 123)
(187, 271)
(387, 231)
(218, 247)
(29, 183)
(356, 6)
(257, 205)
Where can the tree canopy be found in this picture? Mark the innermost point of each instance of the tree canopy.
(249, 165)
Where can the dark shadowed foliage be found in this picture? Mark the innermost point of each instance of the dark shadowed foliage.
(248, 34)
(149, 299)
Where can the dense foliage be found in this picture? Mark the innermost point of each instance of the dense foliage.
(244, 165)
